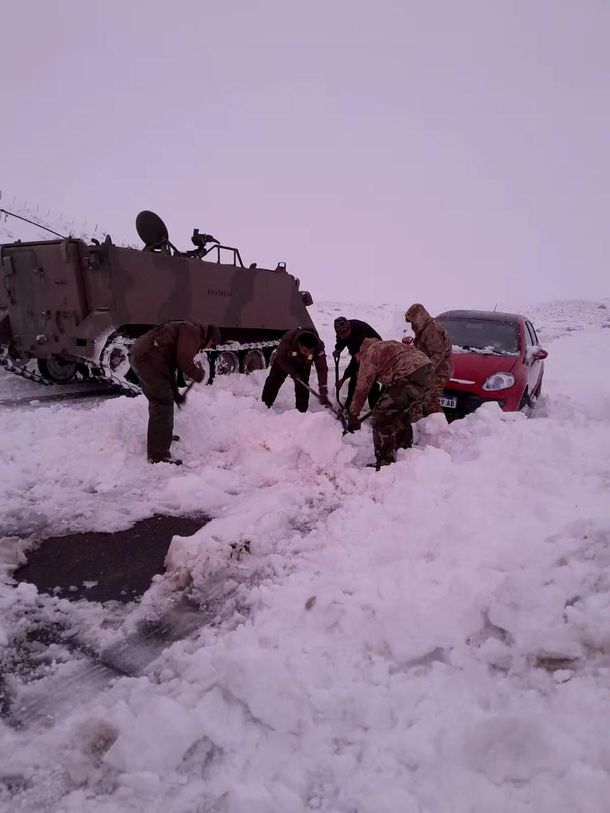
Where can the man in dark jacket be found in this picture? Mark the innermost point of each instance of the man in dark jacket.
(297, 351)
(351, 333)
(433, 340)
(404, 372)
(156, 357)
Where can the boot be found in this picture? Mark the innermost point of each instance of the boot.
(383, 461)
(175, 461)
(379, 464)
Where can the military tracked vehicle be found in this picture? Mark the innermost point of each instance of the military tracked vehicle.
(73, 309)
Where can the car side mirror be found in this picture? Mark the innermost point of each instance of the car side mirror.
(539, 354)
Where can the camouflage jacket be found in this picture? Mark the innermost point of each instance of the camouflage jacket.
(173, 345)
(292, 361)
(387, 362)
(432, 339)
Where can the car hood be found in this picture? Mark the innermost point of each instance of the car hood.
(478, 367)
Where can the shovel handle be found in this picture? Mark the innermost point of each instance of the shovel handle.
(337, 385)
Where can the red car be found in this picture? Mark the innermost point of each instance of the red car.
(496, 357)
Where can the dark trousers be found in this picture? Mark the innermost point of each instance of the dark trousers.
(157, 384)
(276, 378)
(391, 419)
(374, 392)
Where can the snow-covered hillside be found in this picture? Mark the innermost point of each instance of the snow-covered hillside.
(33, 223)
(432, 637)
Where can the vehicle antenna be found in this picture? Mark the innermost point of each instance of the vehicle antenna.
(33, 223)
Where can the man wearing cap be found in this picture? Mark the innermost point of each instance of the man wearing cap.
(433, 340)
(351, 333)
(297, 351)
(156, 357)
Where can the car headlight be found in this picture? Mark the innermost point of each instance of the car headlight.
(499, 381)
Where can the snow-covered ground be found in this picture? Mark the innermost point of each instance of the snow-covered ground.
(429, 638)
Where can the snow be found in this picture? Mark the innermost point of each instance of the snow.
(484, 351)
(40, 222)
(426, 638)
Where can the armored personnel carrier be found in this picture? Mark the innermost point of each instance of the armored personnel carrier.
(73, 309)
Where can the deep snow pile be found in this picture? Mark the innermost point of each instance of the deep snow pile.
(428, 638)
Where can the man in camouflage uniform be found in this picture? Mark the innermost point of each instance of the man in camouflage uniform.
(404, 373)
(433, 340)
(297, 351)
(156, 357)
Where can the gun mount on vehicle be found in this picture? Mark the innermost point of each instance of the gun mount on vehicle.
(75, 308)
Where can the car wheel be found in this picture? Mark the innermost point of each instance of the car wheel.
(526, 403)
(538, 391)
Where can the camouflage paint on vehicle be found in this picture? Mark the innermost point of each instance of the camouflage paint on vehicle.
(62, 299)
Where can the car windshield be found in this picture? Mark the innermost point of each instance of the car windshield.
(488, 336)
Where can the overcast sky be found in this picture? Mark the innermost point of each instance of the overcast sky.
(454, 152)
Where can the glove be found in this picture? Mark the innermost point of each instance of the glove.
(324, 396)
(353, 423)
(336, 354)
(407, 339)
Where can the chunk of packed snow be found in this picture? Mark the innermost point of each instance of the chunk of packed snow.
(429, 637)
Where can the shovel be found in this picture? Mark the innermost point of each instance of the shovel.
(341, 406)
(340, 413)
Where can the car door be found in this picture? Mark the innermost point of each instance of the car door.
(534, 365)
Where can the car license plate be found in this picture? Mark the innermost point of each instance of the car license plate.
(448, 403)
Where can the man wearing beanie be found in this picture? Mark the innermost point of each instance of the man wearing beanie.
(298, 350)
(433, 340)
(156, 357)
(350, 334)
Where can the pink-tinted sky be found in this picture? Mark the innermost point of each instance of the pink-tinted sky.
(450, 152)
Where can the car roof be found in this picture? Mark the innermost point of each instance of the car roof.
(490, 316)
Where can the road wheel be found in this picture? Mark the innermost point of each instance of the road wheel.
(227, 363)
(58, 370)
(114, 359)
(254, 360)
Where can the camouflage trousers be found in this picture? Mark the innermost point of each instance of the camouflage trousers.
(391, 418)
(431, 402)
